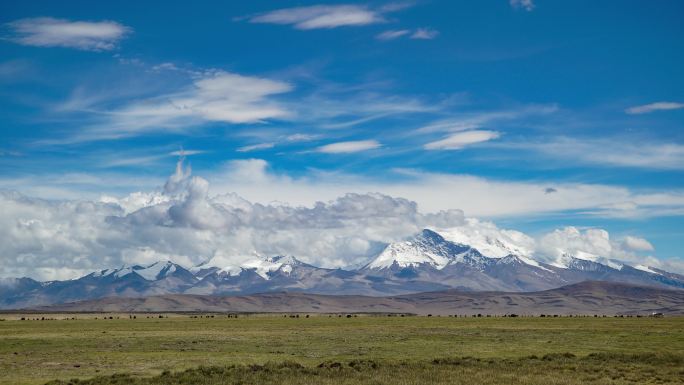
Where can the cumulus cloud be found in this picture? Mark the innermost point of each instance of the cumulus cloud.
(461, 140)
(597, 245)
(527, 5)
(51, 32)
(573, 241)
(327, 16)
(184, 222)
(658, 106)
(489, 239)
(349, 147)
(637, 244)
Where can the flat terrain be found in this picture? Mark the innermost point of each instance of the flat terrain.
(356, 350)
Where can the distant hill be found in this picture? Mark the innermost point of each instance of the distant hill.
(587, 298)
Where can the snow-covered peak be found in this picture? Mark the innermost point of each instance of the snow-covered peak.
(157, 270)
(490, 240)
(264, 266)
(566, 261)
(152, 272)
(428, 247)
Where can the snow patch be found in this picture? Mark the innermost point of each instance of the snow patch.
(646, 269)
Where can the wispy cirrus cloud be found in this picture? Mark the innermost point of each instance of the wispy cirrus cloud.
(417, 34)
(182, 100)
(460, 140)
(327, 16)
(256, 147)
(52, 32)
(215, 96)
(652, 107)
(479, 119)
(392, 34)
(527, 5)
(186, 152)
(424, 34)
(349, 147)
(614, 152)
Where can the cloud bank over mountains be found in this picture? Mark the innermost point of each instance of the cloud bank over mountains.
(185, 223)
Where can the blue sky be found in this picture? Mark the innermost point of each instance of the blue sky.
(535, 114)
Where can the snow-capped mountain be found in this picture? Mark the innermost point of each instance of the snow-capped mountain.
(489, 240)
(264, 267)
(427, 248)
(431, 249)
(429, 261)
(155, 271)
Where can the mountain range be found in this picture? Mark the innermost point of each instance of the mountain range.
(425, 263)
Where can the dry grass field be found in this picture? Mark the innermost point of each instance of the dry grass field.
(273, 349)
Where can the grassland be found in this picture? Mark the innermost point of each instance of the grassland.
(362, 350)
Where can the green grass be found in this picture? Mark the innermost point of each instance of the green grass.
(407, 350)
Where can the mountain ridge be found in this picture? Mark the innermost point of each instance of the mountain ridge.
(425, 262)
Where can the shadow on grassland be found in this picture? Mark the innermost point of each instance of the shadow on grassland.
(559, 368)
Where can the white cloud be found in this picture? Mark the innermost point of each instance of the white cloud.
(321, 16)
(636, 153)
(478, 119)
(637, 244)
(596, 245)
(183, 222)
(348, 147)
(188, 101)
(255, 147)
(187, 223)
(186, 152)
(573, 241)
(424, 34)
(461, 140)
(392, 34)
(658, 106)
(213, 97)
(479, 197)
(83, 35)
(527, 5)
(301, 137)
(419, 34)
(489, 239)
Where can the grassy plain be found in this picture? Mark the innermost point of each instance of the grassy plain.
(362, 350)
